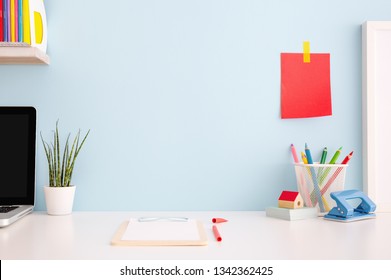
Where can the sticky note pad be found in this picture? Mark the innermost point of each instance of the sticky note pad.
(305, 87)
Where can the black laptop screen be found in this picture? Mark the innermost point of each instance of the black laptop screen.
(17, 155)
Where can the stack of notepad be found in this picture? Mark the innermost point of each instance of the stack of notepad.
(23, 21)
(292, 214)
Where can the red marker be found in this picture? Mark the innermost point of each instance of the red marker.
(217, 234)
(347, 158)
(219, 220)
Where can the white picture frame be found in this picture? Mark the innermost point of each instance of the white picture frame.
(376, 112)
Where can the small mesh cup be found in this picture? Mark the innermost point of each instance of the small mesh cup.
(315, 182)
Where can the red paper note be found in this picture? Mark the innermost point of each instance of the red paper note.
(305, 87)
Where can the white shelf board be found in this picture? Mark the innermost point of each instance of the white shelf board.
(22, 54)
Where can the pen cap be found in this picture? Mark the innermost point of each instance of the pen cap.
(219, 220)
(316, 181)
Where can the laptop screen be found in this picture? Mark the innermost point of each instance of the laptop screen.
(17, 155)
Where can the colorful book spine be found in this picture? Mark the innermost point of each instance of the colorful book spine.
(20, 20)
(26, 22)
(6, 21)
(1, 22)
(16, 12)
(12, 19)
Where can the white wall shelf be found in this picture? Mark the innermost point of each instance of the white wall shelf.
(22, 54)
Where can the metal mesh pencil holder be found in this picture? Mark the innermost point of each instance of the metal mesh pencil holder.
(315, 182)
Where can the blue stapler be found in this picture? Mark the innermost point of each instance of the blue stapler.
(344, 212)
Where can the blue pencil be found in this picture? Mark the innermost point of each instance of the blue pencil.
(313, 175)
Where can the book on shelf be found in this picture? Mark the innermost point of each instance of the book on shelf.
(26, 22)
(23, 21)
(20, 20)
(1, 21)
(12, 20)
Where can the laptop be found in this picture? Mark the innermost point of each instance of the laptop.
(17, 163)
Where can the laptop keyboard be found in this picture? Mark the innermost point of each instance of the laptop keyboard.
(6, 209)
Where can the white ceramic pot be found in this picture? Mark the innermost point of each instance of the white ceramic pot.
(59, 200)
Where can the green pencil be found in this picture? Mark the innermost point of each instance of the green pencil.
(335, 157)
(324, 155)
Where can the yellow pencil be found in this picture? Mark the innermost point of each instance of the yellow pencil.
(304, 158)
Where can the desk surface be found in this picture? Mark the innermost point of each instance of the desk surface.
(247, 235)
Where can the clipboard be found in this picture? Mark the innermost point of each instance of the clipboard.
(160, 233)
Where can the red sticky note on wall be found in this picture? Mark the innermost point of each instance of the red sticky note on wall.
(305, 87)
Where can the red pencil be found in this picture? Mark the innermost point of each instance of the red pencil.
(217, 234)
(347, 158)
(336, 173)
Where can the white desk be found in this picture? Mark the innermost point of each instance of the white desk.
(247, 235)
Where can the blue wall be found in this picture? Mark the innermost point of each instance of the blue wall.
(182, 97)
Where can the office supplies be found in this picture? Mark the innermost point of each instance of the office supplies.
(344, 212)
(322, 161)
(347, 158)
(302, 184)
(219, 220)
(335, 156)
(336, 173)
(304, 158)
(324, 155)
(334, 181)
(304, 189)
(331, 180)
(315, 181)
(294, 154)
(217, 234)
(292, 214)
(326, 172)
(17, 163)
(308, 154)
(160, 232)
(300, 81)
(290, 199)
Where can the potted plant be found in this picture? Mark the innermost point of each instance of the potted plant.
(59, 194)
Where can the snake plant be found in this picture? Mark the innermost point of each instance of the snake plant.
(61, 164)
